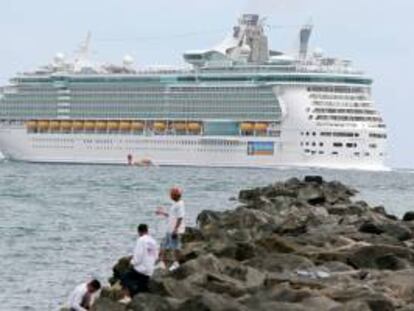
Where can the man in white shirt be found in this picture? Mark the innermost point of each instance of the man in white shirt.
(176, 227)
(143, 261)
(82, 297)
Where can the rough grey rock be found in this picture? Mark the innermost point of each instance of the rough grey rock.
(151, 302)
(383, 257)
(107, 304)
(370, 227)
(408, 216)
(295, 245)
(211, 302)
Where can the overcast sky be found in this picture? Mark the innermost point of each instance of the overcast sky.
(377, 35)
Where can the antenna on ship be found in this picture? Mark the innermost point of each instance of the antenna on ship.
(84, 47)
(82, 54)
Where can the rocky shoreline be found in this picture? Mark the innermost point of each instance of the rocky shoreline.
(294, 245)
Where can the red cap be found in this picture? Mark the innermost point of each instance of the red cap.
(176, 191)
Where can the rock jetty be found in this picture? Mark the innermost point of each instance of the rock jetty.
(294, 245)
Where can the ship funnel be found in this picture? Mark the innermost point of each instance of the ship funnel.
(305, 34)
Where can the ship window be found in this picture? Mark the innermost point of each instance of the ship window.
(321, 152)
(335, 153)
(338, 144)
(376, 135)
(367, 154)
(320, 144)
(350, 145)
(194, 56)
(313, 144)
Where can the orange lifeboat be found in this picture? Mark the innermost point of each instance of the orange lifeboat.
(247, 127)
(261, 127)
(43, 125)
(89, 126)
(194, 127)
(160, 126)
(66, 125)
(179, 126)
(54, 125)
(31, 125)
(101, 126)
(137, 126)
(125, 126)
(78, 125)
(113, 125)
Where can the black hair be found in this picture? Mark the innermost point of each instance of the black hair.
(142, 228)
(95, 284)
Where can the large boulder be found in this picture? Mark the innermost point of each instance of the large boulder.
(212, 302)
(276, 262)
(382, 257)
(107, 304)
(151, 302)
(408, 216)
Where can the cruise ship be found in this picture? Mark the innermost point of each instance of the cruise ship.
(239, 104)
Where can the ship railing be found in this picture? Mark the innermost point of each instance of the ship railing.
(285, 69)
(329, 69)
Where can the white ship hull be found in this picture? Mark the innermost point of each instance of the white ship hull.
(18, 145)
(239, 106)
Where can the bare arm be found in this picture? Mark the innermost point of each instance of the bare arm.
(161, 212)
(178, 224)
(76, 301)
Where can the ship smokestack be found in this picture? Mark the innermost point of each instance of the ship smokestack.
(305, 34)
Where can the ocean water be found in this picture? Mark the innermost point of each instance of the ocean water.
(62, 224)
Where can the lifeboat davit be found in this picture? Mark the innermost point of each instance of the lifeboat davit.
(179, 126)
(31, 125)
(113, 125)
(194, 127)
(261, 127)
(43, 125)
(160, 126)
(54, 125)
(137, 126)
(78, 125)
(247, 127)
(125, 126)
(101, 126)
(89, 126)
(66, 125)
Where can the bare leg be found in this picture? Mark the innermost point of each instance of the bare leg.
(177, 255)
(126, 295)
(162, 256)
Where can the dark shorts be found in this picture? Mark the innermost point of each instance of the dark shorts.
(170, 242)
(135, 282)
